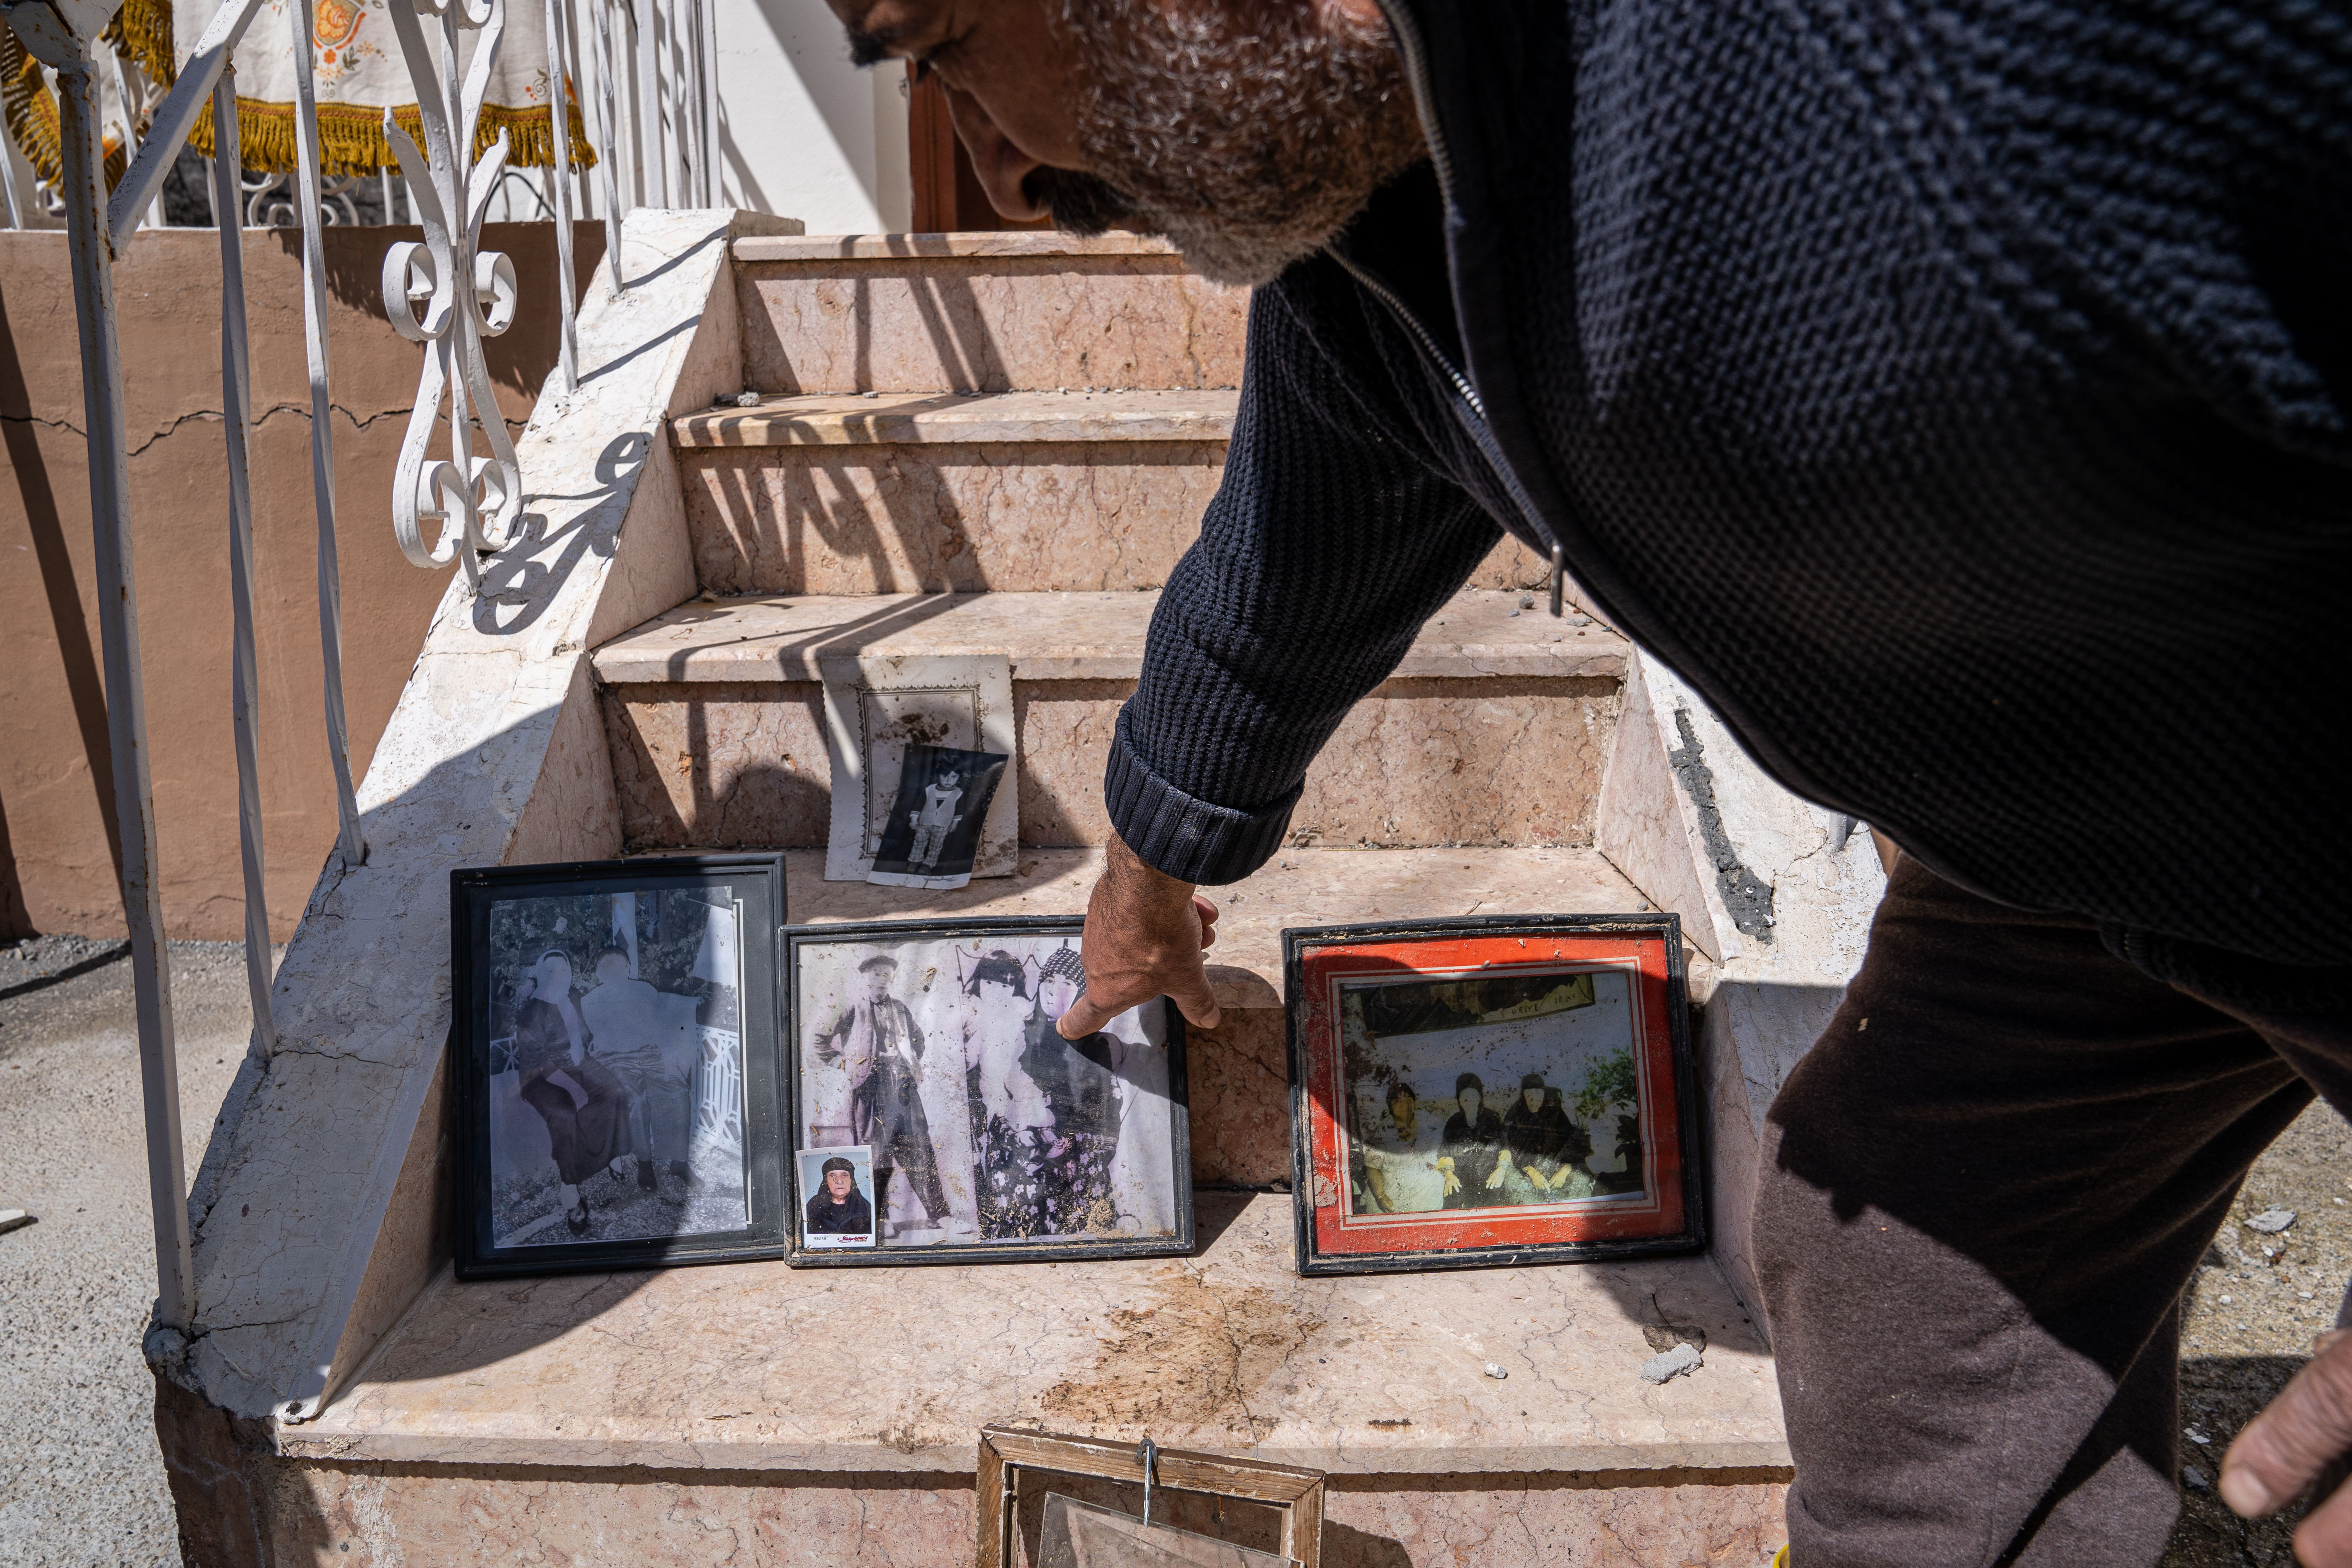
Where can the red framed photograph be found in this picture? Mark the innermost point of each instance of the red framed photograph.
(1475, 1093)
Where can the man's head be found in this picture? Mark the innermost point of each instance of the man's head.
(612, 966)
(877, 970)
(1249, 132)
(840, 1176)
(1531, 1090)
(1402, 1103)
(1470, 1094)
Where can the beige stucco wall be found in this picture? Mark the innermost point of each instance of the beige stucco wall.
(56, 871)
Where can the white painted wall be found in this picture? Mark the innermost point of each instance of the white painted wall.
(803, 132)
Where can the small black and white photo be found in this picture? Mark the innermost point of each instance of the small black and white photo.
(609, 1071)
(837, 1196)
(933, 1048)
(933, 837)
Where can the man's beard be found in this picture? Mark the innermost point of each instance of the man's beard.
(1248, 144)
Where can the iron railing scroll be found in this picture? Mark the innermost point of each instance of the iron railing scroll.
(467, 294)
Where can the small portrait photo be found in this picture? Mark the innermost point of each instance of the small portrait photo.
(1470, 1094)
(837, 1192)
(608, 1068)
(933, 832)
(933, 1048)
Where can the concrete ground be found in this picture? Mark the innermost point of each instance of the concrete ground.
(81, 1482)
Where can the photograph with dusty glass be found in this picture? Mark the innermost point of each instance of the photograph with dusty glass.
(932, 1047)
(1478, 1091)
(609, 1071)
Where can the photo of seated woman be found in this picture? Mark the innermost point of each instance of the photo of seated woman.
(616, 1068)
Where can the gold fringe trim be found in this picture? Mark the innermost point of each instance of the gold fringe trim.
(352, 139)
(143, 30)
(350, 135)
(30, 111)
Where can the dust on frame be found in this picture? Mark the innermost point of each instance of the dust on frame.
(932, 1045)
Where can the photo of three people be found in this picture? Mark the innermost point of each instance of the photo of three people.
(1490, 1092)
(941, 1060)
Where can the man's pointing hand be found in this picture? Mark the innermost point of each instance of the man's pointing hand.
(1145, 934)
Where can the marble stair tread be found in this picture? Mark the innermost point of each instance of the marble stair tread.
(1052, 636)
(902, 418)
(1297, 887)
(960, 243)
(759, 1366)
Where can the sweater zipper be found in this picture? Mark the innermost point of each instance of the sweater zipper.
(1471, 410)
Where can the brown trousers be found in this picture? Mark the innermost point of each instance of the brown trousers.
(1983, 1193)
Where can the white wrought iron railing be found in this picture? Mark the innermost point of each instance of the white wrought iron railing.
(444, 293)
(654, 121)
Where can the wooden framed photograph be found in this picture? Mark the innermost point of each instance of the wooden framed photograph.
(1068, 1502)
(614, 1057)
(1472, 1093)
(931, 1047)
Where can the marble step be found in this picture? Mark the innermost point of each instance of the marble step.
(1023, 492)
(927, 312)
(818, 1415)
(1494, 731)
(961, 492)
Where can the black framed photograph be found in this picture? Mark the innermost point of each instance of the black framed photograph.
(1474, 1092)
(930, 1049)
(614, 1056)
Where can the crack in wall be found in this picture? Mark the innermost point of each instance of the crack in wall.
(300, 411)
(1746, 897)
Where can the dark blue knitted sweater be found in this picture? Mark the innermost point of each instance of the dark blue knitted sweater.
(1956, 395)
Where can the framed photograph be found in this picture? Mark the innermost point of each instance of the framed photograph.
(1148, 1505)
(614, 1052)
(930, 1049)
(1474, 1093)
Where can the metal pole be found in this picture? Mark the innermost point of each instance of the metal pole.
(559, 112)
(712, 193)
(83, 189)
(9, 183)
(236, 406)
(653, 189)
(322, 435)
(608, 130)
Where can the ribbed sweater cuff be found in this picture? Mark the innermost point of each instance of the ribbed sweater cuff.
(1189, 839)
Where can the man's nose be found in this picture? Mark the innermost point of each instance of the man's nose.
(1002, 167)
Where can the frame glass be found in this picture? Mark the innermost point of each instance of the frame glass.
(931, 1046)
(614, 1057)
(1485, 1092)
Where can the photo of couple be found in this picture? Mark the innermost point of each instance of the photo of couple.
(615, 1067)
(1489, 1092)
(938, 1057)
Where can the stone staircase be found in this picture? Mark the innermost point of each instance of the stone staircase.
(1002, 443)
